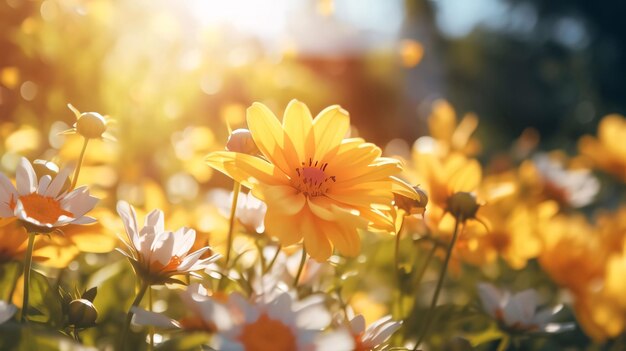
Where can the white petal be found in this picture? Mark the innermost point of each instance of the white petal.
(280, 309)
(543, 317)
(490, 297)
(339, 340)
(58, 182)
(43, 184)
(84, 220)
(521, 308)
(357, 324)
(7, 190)
(213, 311)
(379, 333)
(162, 248)
(129, 218)
(147, 318)
(79, 202)
(7, 311)
(185, 238)
(191, 259)
(25, 178)
(155, 219)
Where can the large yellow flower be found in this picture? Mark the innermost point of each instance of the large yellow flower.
(318, 186)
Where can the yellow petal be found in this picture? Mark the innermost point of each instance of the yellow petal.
(297, 123)
(283, 199)
(269, 136)
(246, 169)
(399, 187)
(329, 128)
(315, 241)
(467, 178)
(320, 206)
(284, 228)
(345, 238)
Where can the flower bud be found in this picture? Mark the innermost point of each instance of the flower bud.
(82, 313)
(463, 206)
(412, 206)
(240, 140)
(91, 125)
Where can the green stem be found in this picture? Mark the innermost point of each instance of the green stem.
(28, 260)
(442, 276)
(129, 315)
(151, 333)
(231, 224)
(80, 163)
(18, 271)
(422, 271)
(399, 304)
(504, 343)
(301, 267)
(76, 336)
(269, 267)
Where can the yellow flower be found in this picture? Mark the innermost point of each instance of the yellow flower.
(318, 186)
(608, 151)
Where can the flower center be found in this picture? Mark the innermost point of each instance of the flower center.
(312, 179)
(172, 265)
(267, 334)
(42, 208)
(358, 343)
(197, 324)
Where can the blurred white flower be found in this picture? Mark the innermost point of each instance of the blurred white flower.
(7, 311)
(281, 324)
(518, 312)
(157, 254)
(250, 210)
(357, 338)
(576, 187)
(44, 204)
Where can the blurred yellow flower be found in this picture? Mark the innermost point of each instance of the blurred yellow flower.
(608, 150)
(317, 185)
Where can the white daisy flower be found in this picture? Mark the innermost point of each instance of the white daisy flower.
(157, 254)
(575, 187)
(207, 313)
(518, 312)
(42, 204)
(357, 338)
(7, 311)
(281, 324)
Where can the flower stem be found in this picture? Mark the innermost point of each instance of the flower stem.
(129, 316)
(16, 278)
(80, 163)
(422, 271)
(151, 329)
(269, 267)
(442, 276)
(301, 267)
(504, 343)
(231, 225)
(399, 303)
(28, 260)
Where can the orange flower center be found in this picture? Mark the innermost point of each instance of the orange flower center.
(42, 208)
(358, 343)
(172, 265)
(267, 334)
(197, 324)
(312, 179)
